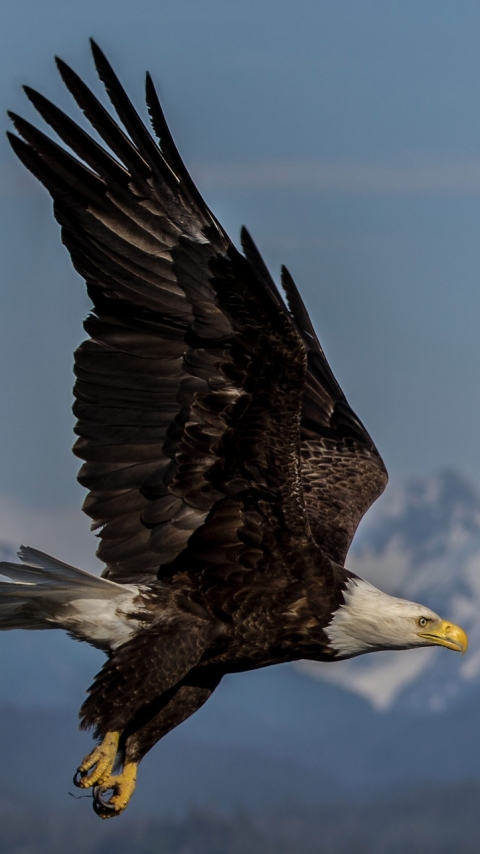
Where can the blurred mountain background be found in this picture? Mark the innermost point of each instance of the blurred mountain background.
(346, 137)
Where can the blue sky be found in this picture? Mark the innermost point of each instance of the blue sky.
(345, 135)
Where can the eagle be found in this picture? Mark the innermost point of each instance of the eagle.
(226, 472)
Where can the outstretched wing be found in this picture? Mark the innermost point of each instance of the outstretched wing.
(342, 471)
(188, 390)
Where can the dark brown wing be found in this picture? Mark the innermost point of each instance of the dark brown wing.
(188, 391)
(342, 471)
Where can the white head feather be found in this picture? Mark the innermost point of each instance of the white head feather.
(371, 620)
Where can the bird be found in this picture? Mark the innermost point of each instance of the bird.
(226, 473)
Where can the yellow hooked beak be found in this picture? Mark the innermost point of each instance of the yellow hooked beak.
(446, 634)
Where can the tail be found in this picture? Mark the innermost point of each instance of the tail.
(44, 593)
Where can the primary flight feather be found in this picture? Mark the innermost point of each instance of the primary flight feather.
(226, 472)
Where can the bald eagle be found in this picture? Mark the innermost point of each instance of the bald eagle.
(226, 472)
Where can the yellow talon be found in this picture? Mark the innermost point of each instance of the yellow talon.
(123, 786)
(101, 759)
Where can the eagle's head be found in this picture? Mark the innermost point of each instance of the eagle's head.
(369, 620)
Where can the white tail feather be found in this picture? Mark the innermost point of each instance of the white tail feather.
(45, 593)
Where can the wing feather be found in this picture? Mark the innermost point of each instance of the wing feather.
(342, 471)
(192, 361)
(211, 427)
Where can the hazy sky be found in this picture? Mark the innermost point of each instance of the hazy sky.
(345, 134)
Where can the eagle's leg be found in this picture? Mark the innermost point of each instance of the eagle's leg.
(146, 728)
(121, 697)
(101, 760)
(173, 708)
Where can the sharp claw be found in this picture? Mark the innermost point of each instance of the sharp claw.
(77, 778)
(100, 805)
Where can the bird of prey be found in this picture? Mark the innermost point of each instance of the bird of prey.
(226, 472)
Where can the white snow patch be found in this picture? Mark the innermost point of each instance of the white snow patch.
(382, 681)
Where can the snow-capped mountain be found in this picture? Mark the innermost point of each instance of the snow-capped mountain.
(422, 543)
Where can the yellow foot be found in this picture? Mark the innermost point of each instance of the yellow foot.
(101, 759)
(123, 786)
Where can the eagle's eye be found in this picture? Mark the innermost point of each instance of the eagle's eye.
(422, 622)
